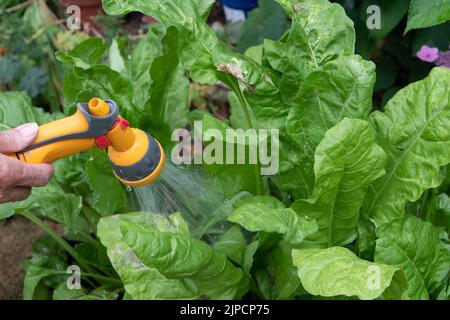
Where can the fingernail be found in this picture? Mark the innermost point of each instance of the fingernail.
(28, 131)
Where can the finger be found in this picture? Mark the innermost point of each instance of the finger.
(16, 194)
(19, 138)
(33, 175)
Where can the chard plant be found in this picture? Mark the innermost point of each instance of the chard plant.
(359, 209)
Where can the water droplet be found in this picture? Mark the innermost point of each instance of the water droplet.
(129, 189)
(226, 201)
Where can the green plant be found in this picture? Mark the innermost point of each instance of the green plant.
(29, 36)
(358, 209)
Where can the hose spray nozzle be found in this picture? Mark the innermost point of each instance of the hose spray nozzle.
(136, 157)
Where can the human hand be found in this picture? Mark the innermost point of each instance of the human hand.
(16, 177)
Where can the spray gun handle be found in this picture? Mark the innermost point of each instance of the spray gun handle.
(70, 135)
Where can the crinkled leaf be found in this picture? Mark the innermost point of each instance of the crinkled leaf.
(49, 201)
(85, 54)
(268, 201)
(427, 13)
(337, 271)
(343, 88)
(204, 55)
(320, 32)
(259, 217)
(249, 256)
(80, 85)
(63, 293)
(441, 216)
(347, 160)
(280, 265)
(43, 272)
(142, 282)
(268, 108)
(232, 243)
(206, 270)
(169, 91)
(108, 194)
(413, 131)
(366, 239)
(415, 245)
(33, 277)
(140, 61)
(232, 177)
(16, 109)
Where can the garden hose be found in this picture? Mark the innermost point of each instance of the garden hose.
(136, 158)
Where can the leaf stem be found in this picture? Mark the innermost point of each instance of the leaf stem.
(234, 84)
(63, 243)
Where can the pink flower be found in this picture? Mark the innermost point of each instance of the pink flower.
(444, 59)
(428, 54)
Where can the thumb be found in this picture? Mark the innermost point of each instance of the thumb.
(19, 138)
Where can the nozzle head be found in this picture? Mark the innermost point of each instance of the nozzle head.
(142, 164)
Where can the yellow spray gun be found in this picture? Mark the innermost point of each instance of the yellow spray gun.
(136, 157)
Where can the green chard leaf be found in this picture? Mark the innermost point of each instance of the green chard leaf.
(63, 293)
(233, 178)
(86, 54)
(233, 244)
(366, 239)
(279, 262)
(416, 246)
(337, 271)
(116, 55)
(320, 32)
(45, 269)
(205, 270)
(259, 217)
(347, 160)
(80, 85)
(169, 91)
(427, 13)
(204, 55)
(158, 275)
(85, 77)
(33, 277)
(413, 131)
(141, 59)
(108, 196)
(51, 202)
(342, 88)
(16, 109)
(142, 282)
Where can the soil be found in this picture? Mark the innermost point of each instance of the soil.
(16, 237)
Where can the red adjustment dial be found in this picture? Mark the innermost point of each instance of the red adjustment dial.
(102, 142)
(124, 124)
